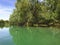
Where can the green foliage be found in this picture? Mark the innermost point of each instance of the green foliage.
(4, 23)
(30, 12)
(58, 11)
(1, 23)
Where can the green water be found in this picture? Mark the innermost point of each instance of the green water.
(30, 36)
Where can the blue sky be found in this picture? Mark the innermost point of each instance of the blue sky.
(6, 8)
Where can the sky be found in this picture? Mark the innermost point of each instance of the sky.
(6, 8)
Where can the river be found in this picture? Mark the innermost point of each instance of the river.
(29, 36)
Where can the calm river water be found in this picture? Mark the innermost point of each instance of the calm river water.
(29, 36)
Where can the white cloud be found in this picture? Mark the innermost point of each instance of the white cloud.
(5, 12)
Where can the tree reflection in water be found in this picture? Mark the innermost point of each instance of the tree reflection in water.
(35, 35)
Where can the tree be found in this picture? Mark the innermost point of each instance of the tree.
(49, 10)
(30, 12)
(58, 10)
(26, 11)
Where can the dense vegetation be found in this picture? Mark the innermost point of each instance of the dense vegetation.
(36, 13)
(4, 23)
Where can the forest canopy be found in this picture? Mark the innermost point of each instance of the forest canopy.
(35, 13)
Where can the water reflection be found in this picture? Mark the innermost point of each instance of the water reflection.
(1, 27)
(5, 37)
(35, 35)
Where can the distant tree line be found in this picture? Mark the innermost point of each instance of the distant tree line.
(4, 23)
(36, 13)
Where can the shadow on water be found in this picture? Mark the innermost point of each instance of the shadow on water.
(35, 35)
